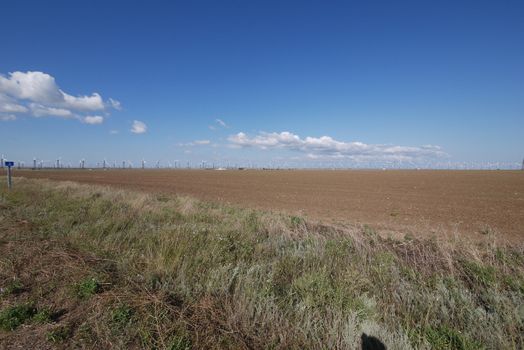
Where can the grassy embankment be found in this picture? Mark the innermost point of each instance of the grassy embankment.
(103, 268)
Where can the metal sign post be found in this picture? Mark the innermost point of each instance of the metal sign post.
(9, 165)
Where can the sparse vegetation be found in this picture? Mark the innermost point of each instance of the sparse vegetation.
(87, 287)
(13, 316)
(58, 334)
(12, 287)
(43, 316)
(186, 274)
(121, 316)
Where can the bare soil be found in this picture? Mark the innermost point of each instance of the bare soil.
(405, 201)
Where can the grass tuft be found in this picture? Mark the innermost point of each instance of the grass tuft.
(87, 288)
(121, 316)
(59, 334)
(14, 316)
(14, 286)
(43, 316)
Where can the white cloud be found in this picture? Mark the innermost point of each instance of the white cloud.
(37, 94)
(138, 127)
(7, 117)
(195, 143)
(86, 103)
(113, 132)
(326, 147)
(33, 86)
(39, 110)
(93, 119)
(202, 142)
(115, 104)
(9, 105)
(221, 123)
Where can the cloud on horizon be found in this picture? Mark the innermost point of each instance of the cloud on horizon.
(325, 148)
(37, 94)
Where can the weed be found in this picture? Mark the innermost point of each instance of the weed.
(178, 342)
(443, 338)
(296, 222)
(86, 334)
(14, 316)
(369, 231)
(87, 287)
(515, 283)
(58, 334)
(484, 275)
(13, 287)
(43, 316)
(121, 316)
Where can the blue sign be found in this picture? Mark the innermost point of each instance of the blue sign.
(9, 164)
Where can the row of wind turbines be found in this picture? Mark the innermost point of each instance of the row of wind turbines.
(177, 164)
(124, 164)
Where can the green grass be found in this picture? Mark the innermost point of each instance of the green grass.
(14, 316)
(183, 274)
(445, 338)
(87, 288)
(43, 316)
(13, 287)
(179, 343)
(121, 316)
(59, 334)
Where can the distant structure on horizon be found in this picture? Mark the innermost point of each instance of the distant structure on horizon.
(522, 164)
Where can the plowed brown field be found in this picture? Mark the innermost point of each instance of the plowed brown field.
(418, 202)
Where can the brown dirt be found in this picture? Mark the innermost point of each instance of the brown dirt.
(406, 201)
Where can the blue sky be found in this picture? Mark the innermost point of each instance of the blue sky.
(307, 83)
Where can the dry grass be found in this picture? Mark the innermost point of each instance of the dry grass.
(168, 272)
